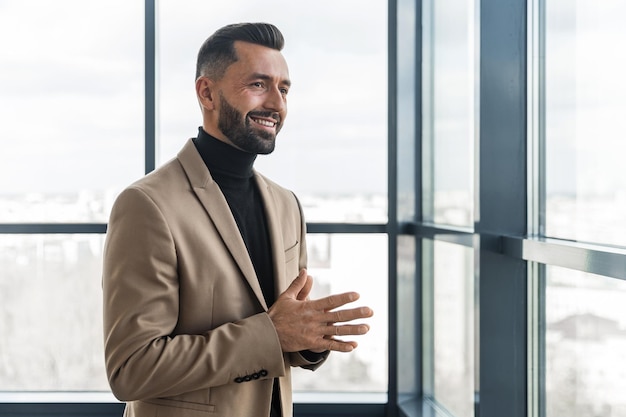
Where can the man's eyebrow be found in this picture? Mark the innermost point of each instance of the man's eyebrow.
(260, 76)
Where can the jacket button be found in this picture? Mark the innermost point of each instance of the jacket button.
(239, 380)
(256, 375)
(263, 373)
(247, 378)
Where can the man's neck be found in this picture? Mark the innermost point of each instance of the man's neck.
(222, 158)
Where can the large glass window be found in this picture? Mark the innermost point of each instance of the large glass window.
(332, 149)
(71, 137)
(585, 127)
(582, 101)
(74, 81)
(447, 199)
(77, 87)
(449, 106)
(407, 308)
(585, 339)
(334, 267)
(51, 322)
(72, 107)
(451, 354)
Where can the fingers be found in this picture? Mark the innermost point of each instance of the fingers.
(298, 285)
(328, 342)
(337, 300)
(346, 330)
(346, 315)
(340, 346)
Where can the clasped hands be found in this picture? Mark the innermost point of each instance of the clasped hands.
(304, 324)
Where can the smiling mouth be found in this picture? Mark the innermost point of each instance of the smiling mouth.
(264, 122)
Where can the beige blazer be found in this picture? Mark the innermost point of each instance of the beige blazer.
(186, 331)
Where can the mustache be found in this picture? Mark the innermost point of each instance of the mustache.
(267, 114)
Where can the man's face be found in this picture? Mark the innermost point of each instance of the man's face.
(252, 98)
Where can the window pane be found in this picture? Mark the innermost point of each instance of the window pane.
(72, 107)
(332, 149)
(408, 316)
(407, 104)
(585, 371)
(585, 126)
(453, 288)
(334, 270)
(51, 321)
(448, 94)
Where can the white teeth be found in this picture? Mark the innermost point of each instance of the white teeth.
(265, 122)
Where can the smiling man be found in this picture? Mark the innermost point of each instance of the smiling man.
(205, 287)
(257, 83)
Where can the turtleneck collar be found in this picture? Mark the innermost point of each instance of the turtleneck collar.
(223, 159)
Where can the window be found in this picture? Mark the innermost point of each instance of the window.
(334, 270)
(453, 326)
(51, 313)
(447, 199)
(448, 118)
(501, 246)
(71, 137)
(72, 107)
(585, 98)
(331, 151)
(585, 336)
(80, 88)
(579, 136)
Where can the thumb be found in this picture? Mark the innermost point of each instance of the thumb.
(306, 290)
(296, 285)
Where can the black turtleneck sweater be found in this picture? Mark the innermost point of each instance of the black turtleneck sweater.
(232, 170)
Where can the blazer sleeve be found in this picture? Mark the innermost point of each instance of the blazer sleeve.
(144, 359)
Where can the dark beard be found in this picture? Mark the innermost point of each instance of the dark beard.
(237, 129)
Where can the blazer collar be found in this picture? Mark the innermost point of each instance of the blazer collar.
(214, 202)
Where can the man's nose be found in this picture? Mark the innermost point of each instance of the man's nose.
(276, 100)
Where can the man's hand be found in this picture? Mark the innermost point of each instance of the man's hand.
(304, 324)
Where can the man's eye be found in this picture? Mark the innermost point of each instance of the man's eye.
(284, 91)
(258, 84)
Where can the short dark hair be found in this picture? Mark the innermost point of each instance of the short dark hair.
(217, 53)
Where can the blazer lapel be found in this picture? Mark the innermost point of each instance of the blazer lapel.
(214, 202)
(275, 232)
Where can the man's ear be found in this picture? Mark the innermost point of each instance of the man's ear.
(205, 92)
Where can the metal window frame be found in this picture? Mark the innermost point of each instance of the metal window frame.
(510, 250)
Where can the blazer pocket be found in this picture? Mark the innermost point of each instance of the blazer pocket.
(176, 404)
(292, 258)
(292, 251)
